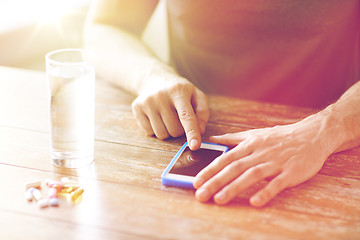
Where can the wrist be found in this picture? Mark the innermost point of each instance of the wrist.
(158, 76)
(329, 132)
(333, 128)
(344, 122)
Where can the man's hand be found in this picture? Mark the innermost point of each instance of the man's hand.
(172, 108)
(290, 154)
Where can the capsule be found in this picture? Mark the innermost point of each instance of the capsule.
(47, 180)
(33, 184)
(54, 202)
(71, 186)
(52, 193)
(55, 184)
(31, 190)
(37, 194)
(65, 179)
(77, 193)
(43, 203)
(28, 196)
(67, 190)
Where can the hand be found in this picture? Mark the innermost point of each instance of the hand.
(291, 154)
(172, 107)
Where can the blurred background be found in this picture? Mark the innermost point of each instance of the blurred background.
(31, 28)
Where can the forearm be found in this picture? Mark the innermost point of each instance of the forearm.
(122, 58)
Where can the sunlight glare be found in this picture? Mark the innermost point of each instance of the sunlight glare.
(49, 11)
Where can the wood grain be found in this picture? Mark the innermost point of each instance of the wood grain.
(124, 198)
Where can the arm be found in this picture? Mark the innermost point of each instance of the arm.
(291, 154)
(167, 104)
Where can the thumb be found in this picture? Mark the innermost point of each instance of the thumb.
(229, 139)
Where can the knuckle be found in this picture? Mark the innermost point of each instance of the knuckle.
(179, 88)
(177, 132)
(147, 102)
(278, 183)
(202, 95)
(185, 114)
(216, 183)
(191, 132)
(207, 173)
(237, 166)
(142, 104)
(257, 172)
(245, 145)
(255, 140)
(161, 135)
(136, 105)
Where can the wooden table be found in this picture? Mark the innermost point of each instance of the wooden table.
(124, 197)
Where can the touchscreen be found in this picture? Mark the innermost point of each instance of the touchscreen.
(191, 163)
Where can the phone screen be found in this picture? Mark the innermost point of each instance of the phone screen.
(190, 163)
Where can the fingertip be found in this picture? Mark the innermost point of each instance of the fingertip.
(221, 198)
(194, 144)
(202, 195)
(257, 201)
(225, 139)
(213, 138)
(197, 183)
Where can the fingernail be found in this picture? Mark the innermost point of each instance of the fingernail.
(256, 200)
(202, 194)
(196, 183)
(220, 197)
(193, 143)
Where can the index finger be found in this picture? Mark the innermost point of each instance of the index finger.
(189, 121)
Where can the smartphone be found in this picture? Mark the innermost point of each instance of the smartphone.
(186, 164)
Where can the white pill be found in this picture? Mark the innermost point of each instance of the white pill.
(37, 194)
(43, 203)
(65, 179)
(31, 190)
(28, 196)
(54, 202)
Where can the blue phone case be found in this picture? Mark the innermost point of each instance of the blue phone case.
(179, 183)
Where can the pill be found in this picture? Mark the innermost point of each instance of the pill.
(33, 184)
(68, 189)
(55, 184)
(57, 187)
(77, 193)
(31, 190)
(28, 196)
(37, 194)
(52, 193)
(47, 180)
(65, 179)
(54, 202)
(71, 185)
(43, 203)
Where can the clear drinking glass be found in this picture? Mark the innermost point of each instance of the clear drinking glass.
(71, 79)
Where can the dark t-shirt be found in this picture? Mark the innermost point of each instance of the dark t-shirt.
(298, 52)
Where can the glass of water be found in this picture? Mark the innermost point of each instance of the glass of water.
(71, 79)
